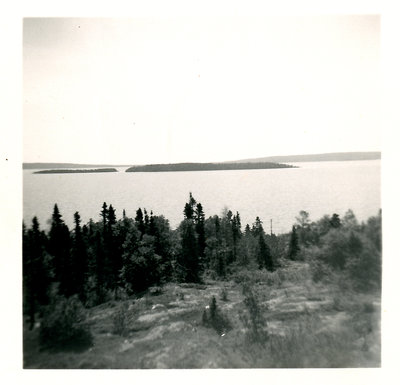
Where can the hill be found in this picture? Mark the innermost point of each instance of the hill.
(333, 156)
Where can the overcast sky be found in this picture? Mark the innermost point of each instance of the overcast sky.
(134, 91)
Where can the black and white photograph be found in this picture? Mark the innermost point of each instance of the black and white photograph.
(201, 192)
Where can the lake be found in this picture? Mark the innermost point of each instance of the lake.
(278, 194)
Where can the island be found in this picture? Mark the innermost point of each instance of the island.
(81, 171)
(206, 166)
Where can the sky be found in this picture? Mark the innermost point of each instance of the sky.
(198, 89)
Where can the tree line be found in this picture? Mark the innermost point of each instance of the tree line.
(112, 257)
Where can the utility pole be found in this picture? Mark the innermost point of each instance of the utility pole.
(271, 227)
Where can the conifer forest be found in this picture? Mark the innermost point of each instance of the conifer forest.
(132, 292)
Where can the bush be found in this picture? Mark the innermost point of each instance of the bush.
(224, 294)
(253, 318)
(215, 319)
(320, 271)
(63, 325)
(121, 320)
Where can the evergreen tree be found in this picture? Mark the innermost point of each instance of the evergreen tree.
(199, 219)
(189, 207)
(114, 255)
(140, 221)
(79, 260)
(36, 272)
(189, 258)
(236, 233)
(335, 221)
(111, 217)
(104, 215)
(264, 257)
(257, 228)
(100, 270)
(59, 246)
(152, 227)
(146, 221)
(294, 248)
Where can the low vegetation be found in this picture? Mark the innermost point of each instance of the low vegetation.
(133, 293)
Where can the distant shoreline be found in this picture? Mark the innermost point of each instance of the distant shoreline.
(82, 171)
(326, 157)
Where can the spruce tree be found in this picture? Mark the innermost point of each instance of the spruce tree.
(59, 246)
(146, 221)
(140, 221)
(189, 256)
(36, 273)
(199, 219)
(189, 207)
(104, 215)
(111, 217)
(294, 248)
(264, 257)
(236, 233)
(335, 221)
(79, 260)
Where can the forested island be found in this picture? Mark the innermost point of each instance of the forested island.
(131, 292)
(205, 166)
(44, 165)
(80, 171)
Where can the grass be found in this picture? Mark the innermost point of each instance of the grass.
(302, 324)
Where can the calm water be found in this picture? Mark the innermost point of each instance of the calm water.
(317, 187)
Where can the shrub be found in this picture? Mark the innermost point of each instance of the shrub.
(63, 325)
(253, 318)
(155, 290)
(320, 271)
(224, 294)
(215, 319)
(121, 320)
